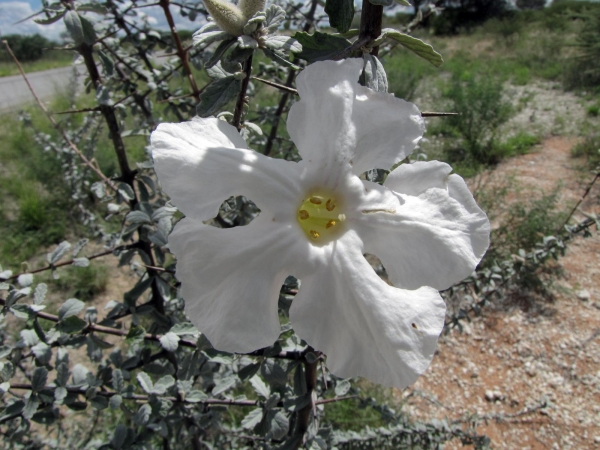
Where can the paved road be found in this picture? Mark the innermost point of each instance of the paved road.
(14, 92)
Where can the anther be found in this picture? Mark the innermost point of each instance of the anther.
(329, 205)
(316, 200)
(314, 234)
(303, 214)
(330, 224)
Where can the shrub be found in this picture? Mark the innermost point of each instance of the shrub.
(26, 48)
(585, 69)
(482, 109)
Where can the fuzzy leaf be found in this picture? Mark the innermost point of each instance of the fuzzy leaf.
(39, 379)
(260, 387)
(58, 252)
(275, 15)
(69, 308)
(284, 43)
(224, 385)
(74, 27)
(342, 388)
(252, 419)
(417, 46)
(217, 95)
(169, 342)
(145, 382)
(341, 13)
(71, 325)
(39, 295)
(319, 46)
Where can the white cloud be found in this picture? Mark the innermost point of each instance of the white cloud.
(12, 12)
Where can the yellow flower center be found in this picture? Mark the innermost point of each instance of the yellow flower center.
(321, 218)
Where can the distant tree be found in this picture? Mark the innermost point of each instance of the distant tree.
(464, 14)
(531, 4)
(27, 48)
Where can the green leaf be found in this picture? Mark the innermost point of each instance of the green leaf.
(50, 20)
(69, 308)
(279, 57)
(71, 325)
(415, 45)
(195, 397)
(224, 385)
(248, 371)
(341, 13)
(89, 34)
(81, 262)
(142, 416)
(126, 191)
(219, 51)
(30, 337)
(283, 43)
(138, 217)
(203, 40)
(92, 7)
(252, 419)
(273, 373)
(115, 402)
(275, 15)
(217, 95)
(39, 295)
(279, 425)
(39, 379)
(74, 26)
(145, 382)
(31, 407)
(260, 387)
(373, 75)
(119, 436)
(319, 46)
(342, 388)
(135, 334)
(185, 329)
(117, 380)
(58, 252)
(42, 352)
(169, 342)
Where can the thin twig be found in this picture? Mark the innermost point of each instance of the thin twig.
(587, 191)
(181, 52)
(56, 126)
(277, 85)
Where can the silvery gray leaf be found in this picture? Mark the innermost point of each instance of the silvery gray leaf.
(247, 42)
(275, 15)
(169, 341)
(81, 262)
(25, 279)
(374, 74)
(69, 308)
(58, 252)
(203, 40)
(285, 43)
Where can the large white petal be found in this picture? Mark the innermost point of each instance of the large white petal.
(199, 167)
(230, 278)
(365, 326)
(338, 123)
(437, 236)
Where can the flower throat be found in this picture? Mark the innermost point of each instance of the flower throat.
(321, 218)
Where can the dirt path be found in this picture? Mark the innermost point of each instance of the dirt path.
(506, 364)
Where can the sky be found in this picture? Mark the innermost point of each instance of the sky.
(12, 11)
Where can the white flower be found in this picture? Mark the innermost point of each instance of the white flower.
(317, 220)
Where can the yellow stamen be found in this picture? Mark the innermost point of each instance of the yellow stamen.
(318, 220)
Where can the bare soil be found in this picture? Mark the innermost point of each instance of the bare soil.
(531, 373)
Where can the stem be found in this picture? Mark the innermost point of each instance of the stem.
(305, 414)
(370, 23)
(239, 105)
(282, 104)
(110, 117)
(183, 55)
(587, 191)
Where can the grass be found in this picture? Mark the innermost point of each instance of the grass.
(52, 60)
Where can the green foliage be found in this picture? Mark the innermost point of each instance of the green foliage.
(589, 148)
(482, 109)
(84, 283)
(25, 48)
(585, 69)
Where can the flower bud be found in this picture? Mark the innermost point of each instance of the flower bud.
(227, 15)
(251, 7)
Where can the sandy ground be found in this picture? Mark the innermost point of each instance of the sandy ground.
(506, 365)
